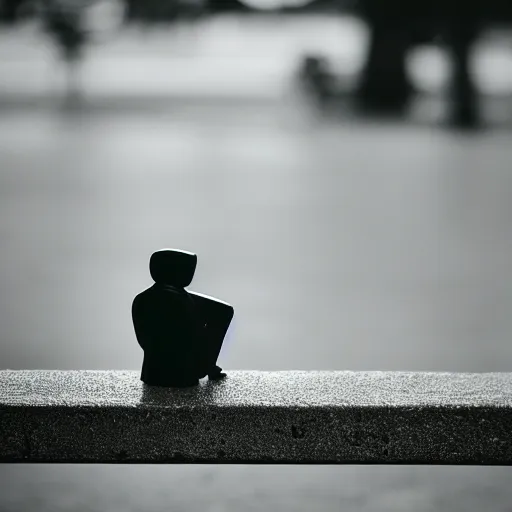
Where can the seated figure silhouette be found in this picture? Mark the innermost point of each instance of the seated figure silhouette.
(181, 332)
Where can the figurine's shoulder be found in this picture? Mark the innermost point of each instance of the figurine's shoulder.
(145, 293)
(146, 297)
(159, 292)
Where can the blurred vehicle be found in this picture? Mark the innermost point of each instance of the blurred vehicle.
(397, 25)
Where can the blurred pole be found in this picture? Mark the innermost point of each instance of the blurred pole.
(464, 111)
(384, 84)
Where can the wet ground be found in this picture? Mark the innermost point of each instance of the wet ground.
(343, 243)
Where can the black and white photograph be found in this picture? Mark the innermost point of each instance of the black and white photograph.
(256, 255)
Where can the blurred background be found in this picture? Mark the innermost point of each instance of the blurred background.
(342, 168)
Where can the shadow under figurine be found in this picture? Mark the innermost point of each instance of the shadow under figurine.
(181, 332)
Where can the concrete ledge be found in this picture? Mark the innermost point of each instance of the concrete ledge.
(257, 417)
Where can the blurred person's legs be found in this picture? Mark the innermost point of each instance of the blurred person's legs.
(316, 79)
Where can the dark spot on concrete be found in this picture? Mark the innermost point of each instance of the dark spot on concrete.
(221, 453)
(278, 431)
(385, 452)
(214, 417)
(385, 439)
(297, 433)
(207, 428)
(222, 441)
(178, 456)
(123, 454)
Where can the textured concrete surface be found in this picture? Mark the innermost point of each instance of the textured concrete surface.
(258, 417)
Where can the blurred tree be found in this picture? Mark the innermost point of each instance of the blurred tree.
(10, 10)
(63, 20)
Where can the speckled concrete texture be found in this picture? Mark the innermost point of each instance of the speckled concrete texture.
(257, 417)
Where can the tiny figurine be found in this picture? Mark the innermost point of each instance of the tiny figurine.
(181, 332)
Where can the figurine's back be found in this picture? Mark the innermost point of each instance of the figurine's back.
(166, 322)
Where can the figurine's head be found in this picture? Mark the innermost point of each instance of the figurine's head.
(173, 267)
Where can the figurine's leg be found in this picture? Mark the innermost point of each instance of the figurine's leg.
(216, 335)
(214, 338)
(217, 316)
(216, 373)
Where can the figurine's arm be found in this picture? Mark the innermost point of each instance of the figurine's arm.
(137, 319)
